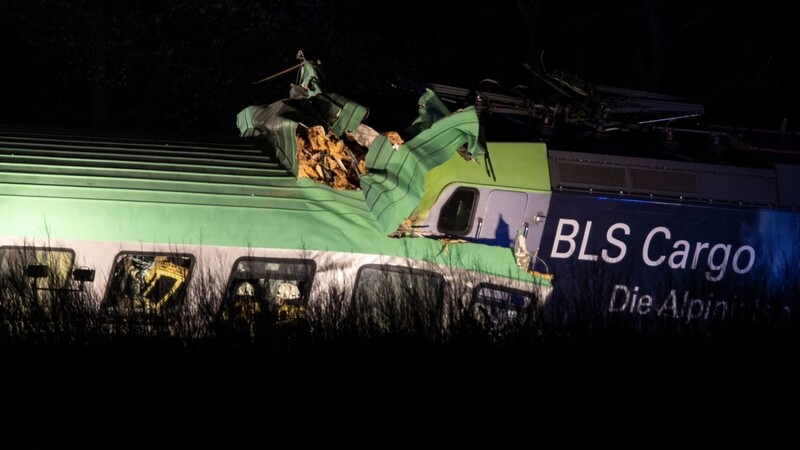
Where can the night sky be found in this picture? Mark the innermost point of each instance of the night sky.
(189, 66)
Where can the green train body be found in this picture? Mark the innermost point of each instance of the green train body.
(139, 221)
(155, 224)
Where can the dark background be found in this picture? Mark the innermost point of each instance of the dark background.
(189, 66)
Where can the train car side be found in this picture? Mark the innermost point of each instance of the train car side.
(145, 226)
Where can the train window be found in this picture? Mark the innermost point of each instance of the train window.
(148, 282)
(385, 282)
(49, 268)
(499, 304)
(457, 213)
(278, 285)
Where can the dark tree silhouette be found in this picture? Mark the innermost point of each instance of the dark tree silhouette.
(189, 65)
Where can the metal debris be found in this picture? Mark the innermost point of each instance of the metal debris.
(329, 159)
(336, 161)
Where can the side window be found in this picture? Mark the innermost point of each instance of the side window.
(457, 213)
(500, 304)
(148, 282)
(385, 283)
(48, 268)
(282, 285)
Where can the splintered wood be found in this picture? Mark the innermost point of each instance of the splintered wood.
(329, 159)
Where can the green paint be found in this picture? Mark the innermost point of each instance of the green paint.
(215, 193)
(395, 181)
(517, 166)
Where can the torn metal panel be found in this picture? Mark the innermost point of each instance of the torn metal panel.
(271, 124)
(347, 113)
(431, 109)
(277, 123)
(395, 178)
(308, 82)
(396, 170)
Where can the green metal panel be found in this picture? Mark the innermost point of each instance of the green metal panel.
(273, 126)
(395, 178)
(431, 109)
(122, 189)
(276, 124)
(520, 166)
(349, 117)
(325, 225)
